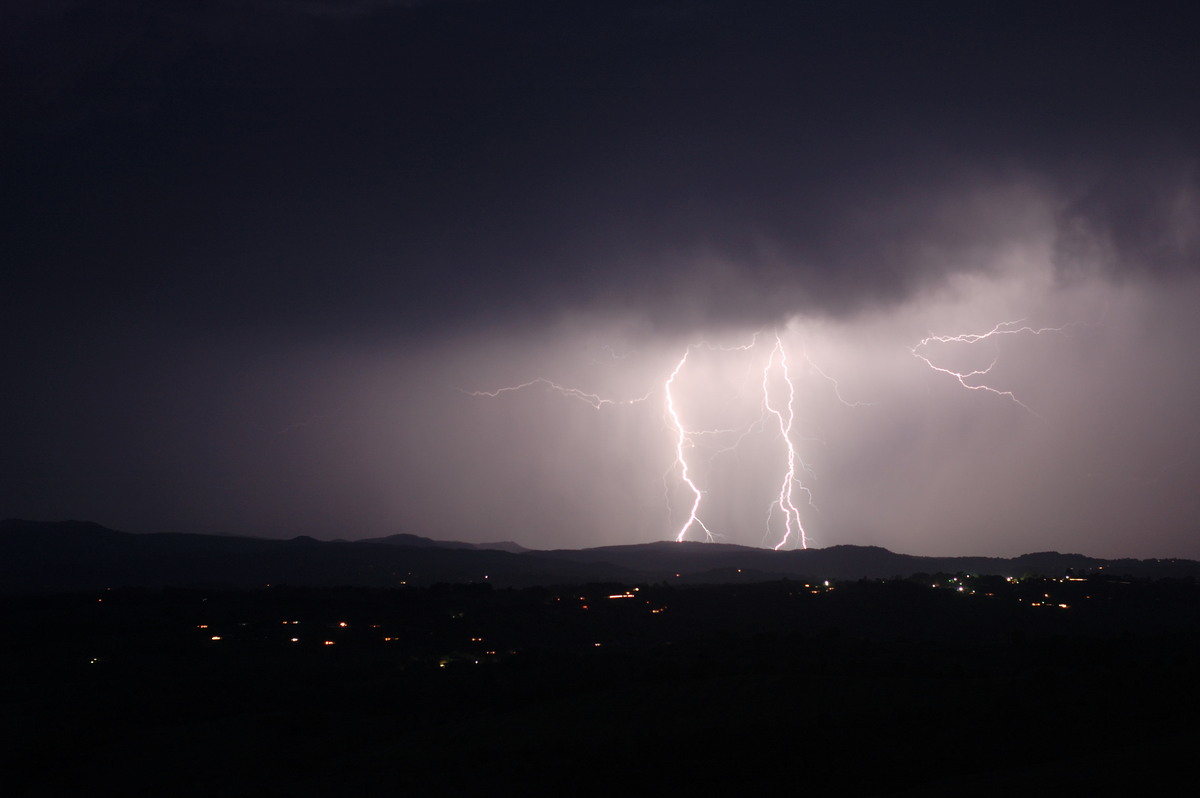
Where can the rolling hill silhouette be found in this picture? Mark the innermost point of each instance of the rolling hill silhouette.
(43, 557)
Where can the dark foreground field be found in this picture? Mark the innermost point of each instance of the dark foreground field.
(968, 685)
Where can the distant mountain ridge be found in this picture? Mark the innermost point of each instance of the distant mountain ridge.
(416, 541)
(39, 557)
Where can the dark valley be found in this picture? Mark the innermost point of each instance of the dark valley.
(851, 686)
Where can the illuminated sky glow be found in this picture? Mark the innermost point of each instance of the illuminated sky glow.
(777, 401)
(488, 271)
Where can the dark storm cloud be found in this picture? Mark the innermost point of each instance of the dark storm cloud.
(1135, 221)
(415, 166)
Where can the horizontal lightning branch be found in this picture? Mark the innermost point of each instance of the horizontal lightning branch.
(595, 400)
(968, 379)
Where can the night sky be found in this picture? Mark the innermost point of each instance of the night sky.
(259, 255)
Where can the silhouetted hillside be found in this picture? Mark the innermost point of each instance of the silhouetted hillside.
(53, 557)
(71, 555)
(701, 562)
(416, 541)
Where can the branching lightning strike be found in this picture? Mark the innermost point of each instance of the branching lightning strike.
(837, 389)
(785, 416)
(595, 400)
(778, 400)
(967, 379)
(776, 407)
(682, 442)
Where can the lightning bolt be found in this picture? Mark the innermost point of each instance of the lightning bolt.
(595, 400)
(968, 379)
(785, 416)
(683, 436)
(778, 410)
(683, 442)
(837, 389)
